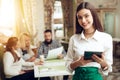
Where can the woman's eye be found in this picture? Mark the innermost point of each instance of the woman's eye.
(79, 17)
(86, 16)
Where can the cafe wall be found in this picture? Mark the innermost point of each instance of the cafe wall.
(110, 4)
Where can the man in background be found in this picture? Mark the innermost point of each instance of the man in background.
(49, 44)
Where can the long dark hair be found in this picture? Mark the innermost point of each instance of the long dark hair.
(96, 22)
(12, 41)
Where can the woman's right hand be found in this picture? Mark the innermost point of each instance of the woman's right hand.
(79, 62)
(82, 62)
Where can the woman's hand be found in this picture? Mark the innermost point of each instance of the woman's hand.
(22, 72)
(79, 62)
(82, 62)
(101, 60)
(39, 63)
(60, 56)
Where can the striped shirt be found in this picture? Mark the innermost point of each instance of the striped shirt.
(44, 48)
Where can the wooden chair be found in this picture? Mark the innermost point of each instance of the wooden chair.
(2, 76)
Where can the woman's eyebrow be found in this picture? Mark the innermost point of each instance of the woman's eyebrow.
(82, 15)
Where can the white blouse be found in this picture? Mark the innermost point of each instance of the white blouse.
(27, 55)
(100, 41)
(12, 68)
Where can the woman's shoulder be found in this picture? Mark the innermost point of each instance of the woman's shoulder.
(105, 35)
(8, 54)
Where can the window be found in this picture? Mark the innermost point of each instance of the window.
(58, 20)
(7, 19)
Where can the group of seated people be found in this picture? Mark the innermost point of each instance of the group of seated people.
(19, 53)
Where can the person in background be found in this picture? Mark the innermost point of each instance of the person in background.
(49, 44)
(29, 52)
(13, 63)
(89, 36)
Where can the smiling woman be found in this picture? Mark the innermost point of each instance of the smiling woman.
(7, 16)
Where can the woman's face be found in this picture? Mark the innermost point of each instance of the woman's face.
(16, 46)
(85, 19)
(27, 41)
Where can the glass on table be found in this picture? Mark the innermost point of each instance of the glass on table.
(42, 58)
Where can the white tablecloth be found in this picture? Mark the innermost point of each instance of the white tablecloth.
(51, 68)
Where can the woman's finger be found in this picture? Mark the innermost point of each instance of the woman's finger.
(88, 61)
(82, 58)
(102, 56)
(96, 58)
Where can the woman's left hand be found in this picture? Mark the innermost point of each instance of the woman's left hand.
(101, 60)
(60, 56)
(39, 63)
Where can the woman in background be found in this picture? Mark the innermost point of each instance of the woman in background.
(89, 37)
(26, 49)
(13, 63)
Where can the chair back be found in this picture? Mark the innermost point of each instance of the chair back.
(2, 75)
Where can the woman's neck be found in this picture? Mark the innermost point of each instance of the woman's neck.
(25, 48)
(89, 33)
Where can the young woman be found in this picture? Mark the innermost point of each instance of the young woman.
(13, 62)
(89, 37)
(26, 48)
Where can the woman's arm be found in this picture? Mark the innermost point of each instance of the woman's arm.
(8, 62)
(32, 59)
(107, 57)
(24, 63)
(70, 56)
(79, 62)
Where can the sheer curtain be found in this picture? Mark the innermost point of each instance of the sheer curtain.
(24, 19)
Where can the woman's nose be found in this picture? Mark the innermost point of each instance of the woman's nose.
(83, 20)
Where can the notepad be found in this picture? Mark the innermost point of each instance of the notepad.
(52, 54)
